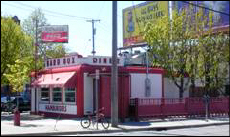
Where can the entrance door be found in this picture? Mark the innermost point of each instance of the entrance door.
(88, 94)
(94, 94)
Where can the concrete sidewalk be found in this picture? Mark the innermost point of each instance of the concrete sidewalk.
(49, 126)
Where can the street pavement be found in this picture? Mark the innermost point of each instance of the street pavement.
(220, 130)
(37, 125)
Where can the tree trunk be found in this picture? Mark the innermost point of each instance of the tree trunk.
(181, 87)
(181, 93)
(207, 79)
(193, 86)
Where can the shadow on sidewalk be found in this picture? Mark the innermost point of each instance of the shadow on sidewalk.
(136, 124)
(30, 125)
(5, 116)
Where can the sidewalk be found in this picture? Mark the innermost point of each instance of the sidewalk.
(46, 126)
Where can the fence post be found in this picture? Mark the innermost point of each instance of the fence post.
(162, 107)
(186, 107)
(206, 100)
(228, 105)
(136, 110)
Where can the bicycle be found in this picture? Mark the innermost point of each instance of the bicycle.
(91, 118)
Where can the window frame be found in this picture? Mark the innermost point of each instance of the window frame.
(49, 98)
(66, 90)
(55, 91)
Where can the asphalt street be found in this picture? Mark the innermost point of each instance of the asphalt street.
(220, 130)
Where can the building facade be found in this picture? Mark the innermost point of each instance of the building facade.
(67, 86)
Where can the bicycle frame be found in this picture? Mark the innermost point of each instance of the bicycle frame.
(95, 118)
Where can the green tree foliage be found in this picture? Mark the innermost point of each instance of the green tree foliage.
(15, 44)
(169, 42)
(187, 44)
(18, 74)
(50, 50)
(213, 55)
(56, 51)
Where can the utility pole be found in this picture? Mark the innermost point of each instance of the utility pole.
(97, 100)
(114, 94)
(35, 54)
(93, 33)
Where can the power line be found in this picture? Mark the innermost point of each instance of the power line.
(206, 8)
(84, 18)
(104, 28)
(14, 6)
(101, 9)
(27, 9)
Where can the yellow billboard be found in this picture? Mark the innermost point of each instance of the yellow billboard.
(136, 17)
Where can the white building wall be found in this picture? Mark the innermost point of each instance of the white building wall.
(138, 85)
(88, 93)
(172, 91)
(35, 99)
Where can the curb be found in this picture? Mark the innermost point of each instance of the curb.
(116, 130)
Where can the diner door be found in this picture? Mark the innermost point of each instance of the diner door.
(88, 93)
(94, 94)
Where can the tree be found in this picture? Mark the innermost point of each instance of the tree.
(18, 74)
(188, 44)
(213, 57)
(209, 56)
(52, 50)
(168, 43)
(15, 44)
(56, 51)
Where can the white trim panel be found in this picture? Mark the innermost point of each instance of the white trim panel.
(138, 85)
(58, 108)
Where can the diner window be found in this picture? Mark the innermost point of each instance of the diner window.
(70, 95)
(45, 94)
(57, 94)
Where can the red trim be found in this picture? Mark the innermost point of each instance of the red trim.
(80, 92)
(62, 98)
(130, 86)
(92, 68)
(76, 90)
(83, 68)
(162, 77)
(142, 70)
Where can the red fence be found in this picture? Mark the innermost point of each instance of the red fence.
(177, 107)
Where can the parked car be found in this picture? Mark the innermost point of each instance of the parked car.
(5, 103)
(10, 105)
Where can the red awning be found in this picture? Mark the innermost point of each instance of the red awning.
(65, 79)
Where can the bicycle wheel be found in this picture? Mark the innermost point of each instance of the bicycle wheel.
(105, 123)
(85, 122)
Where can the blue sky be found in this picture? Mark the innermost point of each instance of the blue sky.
(80, 31)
